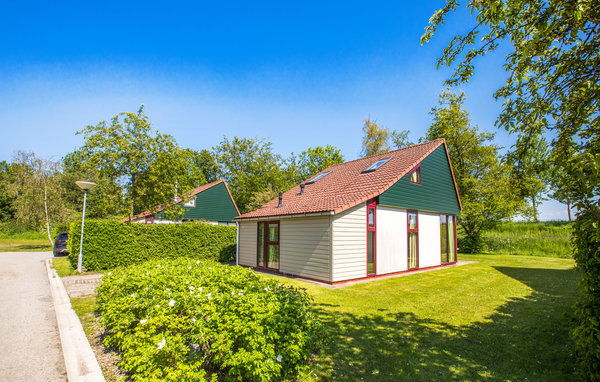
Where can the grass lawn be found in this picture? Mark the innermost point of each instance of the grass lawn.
(24, 245)
(63, 266)
(502, 318)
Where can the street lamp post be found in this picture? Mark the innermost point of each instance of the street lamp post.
(85, 185)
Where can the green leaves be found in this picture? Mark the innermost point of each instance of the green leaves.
(109, 244)
(187, 320)
(483, 181)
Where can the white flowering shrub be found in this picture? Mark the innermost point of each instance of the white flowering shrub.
(190, 320)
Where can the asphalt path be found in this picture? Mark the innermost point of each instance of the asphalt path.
(30, 348)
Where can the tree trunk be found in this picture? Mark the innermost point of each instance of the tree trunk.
(46, 211)
(569, 209)
(132, 198)
(535, 213)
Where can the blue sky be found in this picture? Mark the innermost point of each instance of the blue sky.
(300, 74)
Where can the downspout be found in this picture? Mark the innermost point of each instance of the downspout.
(237, 243)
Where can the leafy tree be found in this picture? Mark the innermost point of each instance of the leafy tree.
(375, 139)
(202, 166)
(38, 203)
(378, 139)
(316, 159)
(7, 209)
(148, 163)
(483, 182)
(104, 200)
(552, 85)
(250, 166)
(400, 139)
(530, 171)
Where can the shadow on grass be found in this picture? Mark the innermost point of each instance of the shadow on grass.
(526, 338)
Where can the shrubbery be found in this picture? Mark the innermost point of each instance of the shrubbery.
(108, 243)
(191, 320)
(587, 332)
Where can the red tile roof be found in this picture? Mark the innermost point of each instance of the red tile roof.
(195, 191)
(346, 185)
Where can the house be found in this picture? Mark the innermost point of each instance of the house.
(211, 203)
(389, 213)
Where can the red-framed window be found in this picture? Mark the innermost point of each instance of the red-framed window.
(412, 218)
(414, 176)
(371, 237)
(267, 252)
(448, 238)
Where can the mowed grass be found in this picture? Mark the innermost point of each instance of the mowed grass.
(29, 241)
(24, 245)
(502, 318)
(63, 266)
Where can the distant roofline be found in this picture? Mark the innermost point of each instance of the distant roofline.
(193, 192)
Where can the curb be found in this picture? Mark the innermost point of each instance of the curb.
(80, 361)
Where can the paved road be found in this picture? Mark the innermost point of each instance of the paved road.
(30, 347)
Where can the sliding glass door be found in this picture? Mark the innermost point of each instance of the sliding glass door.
(448, 238)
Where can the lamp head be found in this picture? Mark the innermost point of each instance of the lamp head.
(85, 184)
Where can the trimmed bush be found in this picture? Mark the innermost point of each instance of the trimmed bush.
(192, 320)
(586, 240)
(108, 244)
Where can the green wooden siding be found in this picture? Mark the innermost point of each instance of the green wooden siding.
(213, 204)
(436, 192)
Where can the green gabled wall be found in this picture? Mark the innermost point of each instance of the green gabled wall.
(214, 204)
(435, 193)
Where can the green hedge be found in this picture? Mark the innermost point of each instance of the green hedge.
(108, 244)
(586, 240)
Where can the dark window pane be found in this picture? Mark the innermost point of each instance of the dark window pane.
(273, 232)
(371, 217)
(412, 221)
(273, 256)
(261, 244)
(370, 252)
(412, 250)
(451, 241)
(444, 238)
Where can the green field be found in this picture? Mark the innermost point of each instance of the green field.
(11, 241)
(548, 239)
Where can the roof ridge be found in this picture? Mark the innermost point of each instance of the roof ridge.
(386, 152)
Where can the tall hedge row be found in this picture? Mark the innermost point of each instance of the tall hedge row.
(109, 244)
(586, 241)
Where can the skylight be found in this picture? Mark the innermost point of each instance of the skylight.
(376, 165)
(317, 177)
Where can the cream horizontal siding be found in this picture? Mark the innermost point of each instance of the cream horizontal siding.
(429, 240)
(391, 240)
(247, 244)
(305, 247)
(350, 244)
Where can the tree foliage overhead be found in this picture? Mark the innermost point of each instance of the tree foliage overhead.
(482, 180)
(552, 86)
(553, 73)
